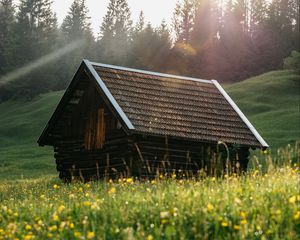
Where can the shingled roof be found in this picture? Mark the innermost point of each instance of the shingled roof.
(168, 105)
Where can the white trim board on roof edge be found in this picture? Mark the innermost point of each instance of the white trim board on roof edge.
(109, 95)
(241, 114)
(151, 73)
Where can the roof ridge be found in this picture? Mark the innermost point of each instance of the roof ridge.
(150, 72)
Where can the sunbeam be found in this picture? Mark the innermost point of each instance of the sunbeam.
(40, 62)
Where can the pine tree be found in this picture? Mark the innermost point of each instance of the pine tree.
(163, 47)
(283, 20)
(164, 34)
(76, 24)
(258, 15)
(206, 25)
(150, 48)
(76, 27)
(140, 25)
(36, 29)
(7, 21)
(183, 20)
(115, 32)
(35, 33)
(141, 48)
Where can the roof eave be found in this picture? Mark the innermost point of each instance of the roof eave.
(259, 138)
(108, 95)
(139, 133)
(42, 141)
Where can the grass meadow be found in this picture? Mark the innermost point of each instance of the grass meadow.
(250, 207)
(263, 204)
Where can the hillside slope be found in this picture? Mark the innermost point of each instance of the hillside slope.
(270, 101)
(21, 123)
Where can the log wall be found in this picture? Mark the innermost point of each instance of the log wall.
(146, 157)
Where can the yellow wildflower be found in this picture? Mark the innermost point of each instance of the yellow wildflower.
(28, 237)
(297, 215)
(278, 212)
(258, 227)
(243, 222)
(61, 208)
(71, 225)
(86, 203)
(55, 217)
(224, 224)
(90, 235)
(236, 227)
(77, 234)
(94, 206)
(129, 180)
(210, 207)
(55, 186)
(213, 179)
(294, 199)
(87, 185)
(149, 237)
(27, 227)
(243, 214)
(112, 190)
(49, 235)
(87, 195)
(52, 228)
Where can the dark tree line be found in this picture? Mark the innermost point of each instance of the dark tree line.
(228, 40)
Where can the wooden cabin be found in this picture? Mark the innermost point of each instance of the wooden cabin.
(119, 122)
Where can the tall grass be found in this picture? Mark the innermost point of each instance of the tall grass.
(283, 157)
(258, 205)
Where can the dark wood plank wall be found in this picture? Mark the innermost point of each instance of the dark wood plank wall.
(80, 136)
(165, 156)
(125, 157)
